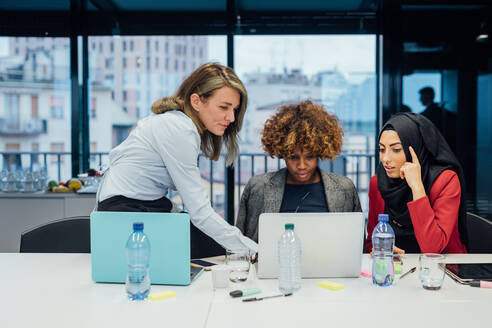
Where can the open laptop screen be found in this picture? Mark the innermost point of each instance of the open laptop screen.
(332, 243)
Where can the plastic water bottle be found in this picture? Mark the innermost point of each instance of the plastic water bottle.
(289, 259)
(137, 258)
(383, 240)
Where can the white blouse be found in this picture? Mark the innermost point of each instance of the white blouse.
(162, 153)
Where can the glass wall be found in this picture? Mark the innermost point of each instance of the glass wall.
(337, 71)
(414, 82)
(483, 204)
(35, 106)
(128, 73)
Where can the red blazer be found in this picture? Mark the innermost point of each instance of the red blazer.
(434, 216)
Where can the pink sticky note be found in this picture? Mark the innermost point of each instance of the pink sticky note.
(365, 273)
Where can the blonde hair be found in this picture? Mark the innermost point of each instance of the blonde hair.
(204, 81)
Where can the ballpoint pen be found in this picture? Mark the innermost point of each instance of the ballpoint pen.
(264, 297)
(409, 271)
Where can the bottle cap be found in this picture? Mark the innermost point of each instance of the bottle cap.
(383, 218)
(138, 226)
(289, 226)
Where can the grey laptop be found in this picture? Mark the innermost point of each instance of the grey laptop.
(332, 243)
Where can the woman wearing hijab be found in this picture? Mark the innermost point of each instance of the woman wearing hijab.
(418, 184)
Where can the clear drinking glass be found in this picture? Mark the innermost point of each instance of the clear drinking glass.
(238, 262)
(430, 270)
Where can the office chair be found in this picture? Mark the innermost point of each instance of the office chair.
(202, 245)
(479, 234)
(69, 235)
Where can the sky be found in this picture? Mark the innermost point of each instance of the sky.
(310, 53)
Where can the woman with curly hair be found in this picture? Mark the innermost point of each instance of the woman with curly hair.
(301, 134)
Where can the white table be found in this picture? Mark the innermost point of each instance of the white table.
(56, 290)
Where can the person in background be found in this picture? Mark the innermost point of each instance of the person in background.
(443, 119)
(161, 153)
(301, 134)
(419, 185)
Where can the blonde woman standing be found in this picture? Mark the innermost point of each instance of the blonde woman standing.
(161, 153)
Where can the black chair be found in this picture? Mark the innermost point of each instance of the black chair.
(479, 234)
(202, 245)
(69, 235)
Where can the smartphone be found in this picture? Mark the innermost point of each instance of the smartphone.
(203, 263)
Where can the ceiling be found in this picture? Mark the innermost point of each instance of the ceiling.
(193, 5)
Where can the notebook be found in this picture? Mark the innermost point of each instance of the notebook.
(332, 243)
(169, 236)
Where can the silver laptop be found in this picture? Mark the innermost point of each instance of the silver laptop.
(331, 243)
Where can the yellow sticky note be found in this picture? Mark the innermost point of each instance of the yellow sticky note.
(330, 285)
(161, 295)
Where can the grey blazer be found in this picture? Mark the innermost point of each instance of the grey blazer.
(263, 194)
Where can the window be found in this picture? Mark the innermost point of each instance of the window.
(12, 162)
(411, 85)
(35, 158)
(12, 111)
(100, 47)
(57, 147)
(36, 112)
(111, 46)
(149, 76)
(34, 106)
(56, 107)
(92, 108)
(344, 83)
(92, 150)
(108, 63)
(131, 45)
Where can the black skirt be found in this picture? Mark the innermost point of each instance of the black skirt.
(125, 204)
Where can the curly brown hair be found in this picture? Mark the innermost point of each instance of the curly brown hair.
(304, 124)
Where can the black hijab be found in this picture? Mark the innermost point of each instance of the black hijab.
(435, 156)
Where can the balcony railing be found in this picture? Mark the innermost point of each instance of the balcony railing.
(33, 127)
(358, 167)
